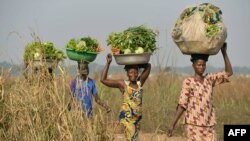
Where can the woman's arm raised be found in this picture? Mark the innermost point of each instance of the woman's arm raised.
(108, 82)
(228, 66)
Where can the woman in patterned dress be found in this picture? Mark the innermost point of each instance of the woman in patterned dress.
(131, 89)
(196, 99)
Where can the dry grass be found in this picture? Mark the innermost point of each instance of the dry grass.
(36, 108)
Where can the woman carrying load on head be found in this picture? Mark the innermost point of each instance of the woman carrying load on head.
(196, 99)
(132, 92)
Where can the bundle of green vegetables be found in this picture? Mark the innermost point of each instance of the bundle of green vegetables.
(137, 39)
(38, 50)
(85, 44)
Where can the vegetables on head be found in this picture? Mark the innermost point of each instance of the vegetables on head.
(85, 44)
(71, 44)
(133, 38)
(38, 50)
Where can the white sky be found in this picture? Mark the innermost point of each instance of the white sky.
(60, 20)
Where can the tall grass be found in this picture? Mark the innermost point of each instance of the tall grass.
(36, 108)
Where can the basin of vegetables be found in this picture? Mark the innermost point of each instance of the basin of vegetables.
(40, 53)
(84, 49)
(134, 45)
(200, 30)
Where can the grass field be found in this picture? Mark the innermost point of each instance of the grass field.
(36, 108)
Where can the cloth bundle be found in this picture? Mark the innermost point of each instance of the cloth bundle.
(200, 30)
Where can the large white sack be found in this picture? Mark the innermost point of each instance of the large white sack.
(200, 30)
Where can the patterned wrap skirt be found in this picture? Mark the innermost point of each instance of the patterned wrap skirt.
(200, 133)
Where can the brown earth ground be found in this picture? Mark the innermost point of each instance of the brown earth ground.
(151, 137)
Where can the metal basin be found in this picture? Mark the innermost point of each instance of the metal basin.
(132, 59)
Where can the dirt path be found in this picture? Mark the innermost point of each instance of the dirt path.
(151, 137)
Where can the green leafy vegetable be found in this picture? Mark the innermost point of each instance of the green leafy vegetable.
(132, 38)
(87, 44)
(211, 30)
(38, 50)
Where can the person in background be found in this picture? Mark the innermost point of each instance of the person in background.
(131, 89)
(196, 99)
(83, 89)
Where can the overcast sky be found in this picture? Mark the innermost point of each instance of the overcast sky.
(60, 20)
